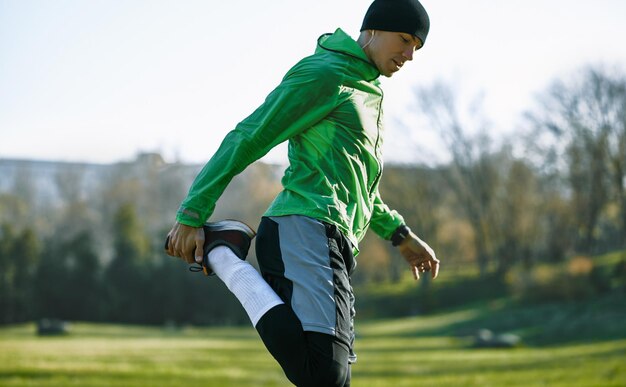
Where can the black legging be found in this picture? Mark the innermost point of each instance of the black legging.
(307, 358)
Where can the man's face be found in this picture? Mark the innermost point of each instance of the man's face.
(390, 50)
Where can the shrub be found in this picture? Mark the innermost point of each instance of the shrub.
(572, 281)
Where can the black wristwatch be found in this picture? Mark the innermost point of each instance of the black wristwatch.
(400, 234)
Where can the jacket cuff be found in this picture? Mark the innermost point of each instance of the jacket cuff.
(189, 217)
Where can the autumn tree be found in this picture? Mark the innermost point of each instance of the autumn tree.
(472, 175)
(583, 121)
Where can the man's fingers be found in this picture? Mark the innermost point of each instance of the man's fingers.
(170, 248)
(431, 265)
(199, 251)
(167, 244)
(435, 268)
(416, 272)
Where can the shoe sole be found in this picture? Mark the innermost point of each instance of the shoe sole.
(229, 224)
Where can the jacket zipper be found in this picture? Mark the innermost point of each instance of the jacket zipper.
(380, 167)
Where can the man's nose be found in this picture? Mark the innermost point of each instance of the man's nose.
(408, 53)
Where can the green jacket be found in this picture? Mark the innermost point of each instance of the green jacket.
(329, 107)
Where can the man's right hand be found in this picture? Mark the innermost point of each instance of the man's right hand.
(184, 242)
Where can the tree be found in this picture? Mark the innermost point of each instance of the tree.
(517, 215)
(84, 280)
(586, 120)
(125, 277)
(473, 174)
(19, 257)
(68, 279)
(7, 274)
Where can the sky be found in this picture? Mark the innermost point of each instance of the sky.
(103, 80)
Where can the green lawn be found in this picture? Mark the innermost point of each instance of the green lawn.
(431, 350)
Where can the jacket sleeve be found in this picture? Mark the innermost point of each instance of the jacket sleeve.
(384, 220)
(306, 95)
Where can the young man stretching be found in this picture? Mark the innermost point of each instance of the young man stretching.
(329, 108)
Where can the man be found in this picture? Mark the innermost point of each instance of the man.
(329, 108)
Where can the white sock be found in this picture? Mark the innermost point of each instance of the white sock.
(242, 279)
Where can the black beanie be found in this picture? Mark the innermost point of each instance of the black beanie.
(398, 16)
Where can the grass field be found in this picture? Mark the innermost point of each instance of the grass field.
(434, 350)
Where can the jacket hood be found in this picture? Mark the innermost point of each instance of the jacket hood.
(342, 43)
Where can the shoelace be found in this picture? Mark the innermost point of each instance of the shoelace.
(195, 268)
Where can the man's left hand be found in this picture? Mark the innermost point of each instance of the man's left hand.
(419, 255)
